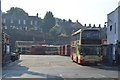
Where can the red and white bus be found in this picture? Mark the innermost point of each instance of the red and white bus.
(86, 46)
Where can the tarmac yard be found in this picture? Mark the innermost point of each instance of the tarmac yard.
(54, 66)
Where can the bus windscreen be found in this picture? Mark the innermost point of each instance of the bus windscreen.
(91, 34)
(90, 50)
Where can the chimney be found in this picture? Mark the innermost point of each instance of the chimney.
(99, 26)
(105, 26)
(89, 25)
(37, 14)
(77, 21)
(85, 25)
(94, 26)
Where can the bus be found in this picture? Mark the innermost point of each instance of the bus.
(64, 50)
(25, 47)
(86, 46)
(52, 49)
(67, 50)
(37, 50)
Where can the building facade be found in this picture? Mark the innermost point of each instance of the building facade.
(113, 26)
(113, 31)
(22, 23)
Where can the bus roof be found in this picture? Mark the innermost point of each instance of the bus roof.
(91, 29)
(76, 32)
(47, 45)
(81, 30)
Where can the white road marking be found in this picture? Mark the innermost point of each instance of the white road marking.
(4, 75)
(101, 75)
(60, 75)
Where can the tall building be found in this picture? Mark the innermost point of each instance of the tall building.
(113, 30)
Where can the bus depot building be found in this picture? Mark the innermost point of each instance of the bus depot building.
(113, 36)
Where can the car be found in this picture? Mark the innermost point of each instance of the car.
(15, 56)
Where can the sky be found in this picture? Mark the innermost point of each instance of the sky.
(85, 11)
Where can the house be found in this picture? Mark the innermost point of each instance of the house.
(113, 32)
(22, 22)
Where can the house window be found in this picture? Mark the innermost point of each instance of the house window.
(31, 22)
(19, 21)
(11, 26)
(26, 28)
(24, 21)
(110, 27)
(5, 27)
(35, 22)
(4, 20)
(11, 21)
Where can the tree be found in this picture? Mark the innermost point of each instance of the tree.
(48, 22)
(53, 31)
(63, 35)
(17, 12)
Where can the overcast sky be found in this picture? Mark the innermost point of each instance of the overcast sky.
(85, 11)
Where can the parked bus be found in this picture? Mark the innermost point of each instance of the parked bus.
(38, 50)
(61, 50)
(64, 50)
(51, 49)
(67, 50)
(86, 46)
(25, 47)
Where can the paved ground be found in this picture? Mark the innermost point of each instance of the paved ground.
(54, 66)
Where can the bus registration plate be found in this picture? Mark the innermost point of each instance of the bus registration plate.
(91, 58)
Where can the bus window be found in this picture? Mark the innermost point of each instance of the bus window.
(90, 50)
(91, 34)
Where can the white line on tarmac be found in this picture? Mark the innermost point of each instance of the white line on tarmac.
(61, 75)
(4, 75)
(101, 75)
